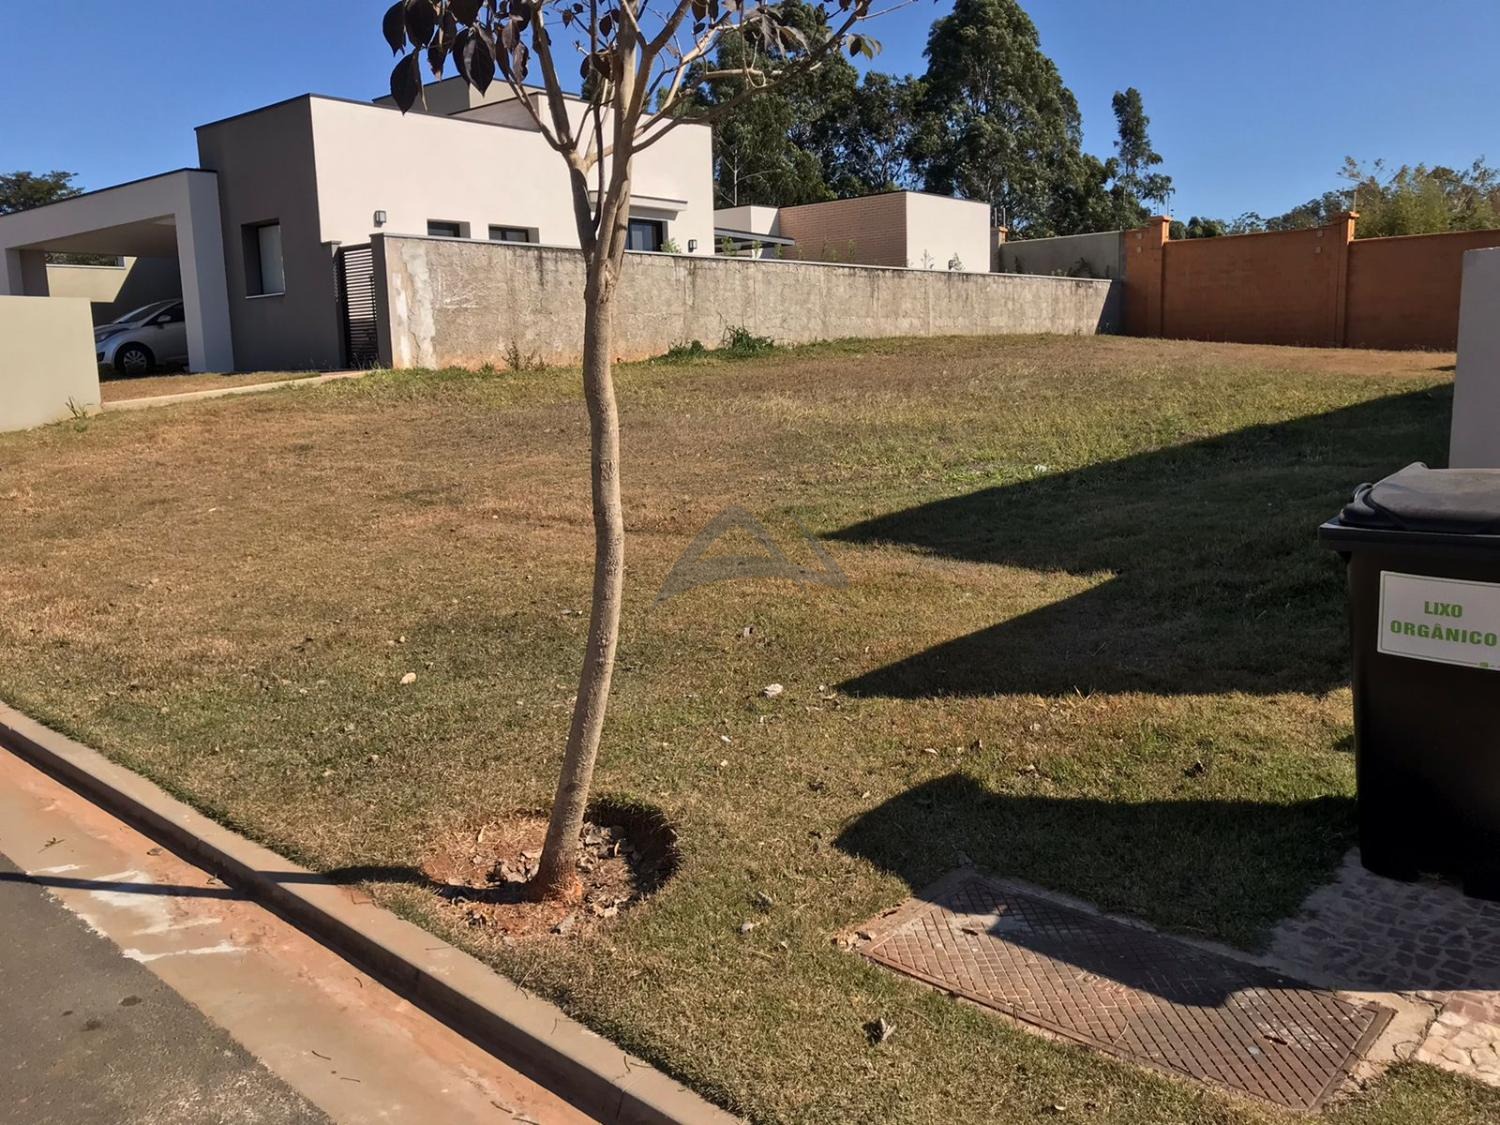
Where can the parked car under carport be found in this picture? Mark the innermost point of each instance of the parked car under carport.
(149, 337)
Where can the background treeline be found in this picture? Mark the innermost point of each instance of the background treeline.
(991, 119)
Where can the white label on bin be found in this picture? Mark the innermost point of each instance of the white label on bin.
(1440, 619)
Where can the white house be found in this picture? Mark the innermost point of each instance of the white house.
(905, 229)
(257, 229)
(267, 239)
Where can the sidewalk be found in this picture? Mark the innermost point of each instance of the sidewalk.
(189, 1003)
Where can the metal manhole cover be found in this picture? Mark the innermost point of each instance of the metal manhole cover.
(1127, 990)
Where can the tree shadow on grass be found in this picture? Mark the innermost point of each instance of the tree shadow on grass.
(1215, 868)
(1220, 869)
(1212, 577)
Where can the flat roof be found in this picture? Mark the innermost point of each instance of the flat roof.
(463, 120)
(111, 187)
(751, 236)
(876, 195)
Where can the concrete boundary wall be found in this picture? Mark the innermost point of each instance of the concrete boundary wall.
(47, 368)
(443, 302)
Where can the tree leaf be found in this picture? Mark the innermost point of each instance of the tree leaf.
(460, 63)
(435, 56)
(479, 58)
(393, 26)
(421, 22)
(406, 81)
(464, 11)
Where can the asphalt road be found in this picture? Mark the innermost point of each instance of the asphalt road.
(91, 1037)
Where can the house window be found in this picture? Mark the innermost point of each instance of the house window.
(510, 234)
(646, 234)
(265, 272)
(443, 228)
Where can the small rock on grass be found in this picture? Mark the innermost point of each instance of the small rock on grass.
(771, 691)
(566, 925)
(746, 927)
(409, 678)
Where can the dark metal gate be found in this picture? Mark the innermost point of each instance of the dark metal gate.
(356, 274)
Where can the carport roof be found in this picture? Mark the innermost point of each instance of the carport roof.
(100, 191)
(149, 236)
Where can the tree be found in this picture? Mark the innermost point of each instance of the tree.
(998, 122)
(877, 130)
(1083, 200)
(1198, 227)
(1422, 200)
(1135, 183)
(777, 149)
(21, 191)
(635, 61)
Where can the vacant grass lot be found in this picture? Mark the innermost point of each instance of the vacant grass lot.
(1087, 640)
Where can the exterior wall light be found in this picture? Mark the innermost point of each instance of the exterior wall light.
(692, 246)
(380, 218)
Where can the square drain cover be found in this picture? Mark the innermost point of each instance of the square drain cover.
(1127, 990)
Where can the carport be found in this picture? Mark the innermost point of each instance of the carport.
(176, 213)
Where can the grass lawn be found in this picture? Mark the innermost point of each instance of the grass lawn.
(1088, 640)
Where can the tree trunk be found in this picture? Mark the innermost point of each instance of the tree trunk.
(557, 874)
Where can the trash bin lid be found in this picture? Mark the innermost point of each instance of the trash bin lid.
(1442, 501)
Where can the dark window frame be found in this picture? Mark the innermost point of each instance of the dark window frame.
(658, 229)
(445, 228)
(500, 233)
(255, 272)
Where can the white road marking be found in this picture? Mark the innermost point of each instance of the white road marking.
(222, 947)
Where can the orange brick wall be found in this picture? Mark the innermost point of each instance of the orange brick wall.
(868, 231)
(1403, 292)
(1280, 288)
(1144, 250)
(1316, 287)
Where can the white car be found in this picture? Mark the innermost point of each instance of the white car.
(154, 335)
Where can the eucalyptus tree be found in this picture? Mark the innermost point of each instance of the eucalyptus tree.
(634, 60)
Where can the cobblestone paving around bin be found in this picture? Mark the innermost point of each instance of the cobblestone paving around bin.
(1125, 989)
(1425, 940)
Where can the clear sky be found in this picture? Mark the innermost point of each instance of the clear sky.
(1254, 104)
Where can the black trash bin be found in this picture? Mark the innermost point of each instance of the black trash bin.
(1422, 549)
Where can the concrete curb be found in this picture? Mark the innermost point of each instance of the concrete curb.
(525, 1031)
(223, 392)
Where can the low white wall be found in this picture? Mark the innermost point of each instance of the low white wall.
(453, 303)
(47, 368)
(1475, 441)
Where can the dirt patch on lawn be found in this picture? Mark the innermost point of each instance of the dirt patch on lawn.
(482, 875)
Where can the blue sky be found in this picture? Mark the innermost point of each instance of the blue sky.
(1254, 104)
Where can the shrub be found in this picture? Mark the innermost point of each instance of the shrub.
(741, 343)
(517, 360)
(680, 353)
